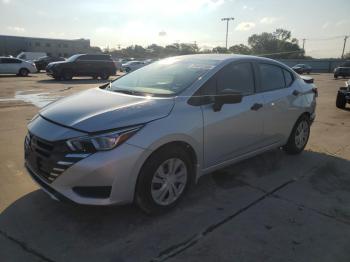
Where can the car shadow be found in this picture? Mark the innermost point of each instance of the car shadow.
(341, 78)
(62, 230)
(14, 76)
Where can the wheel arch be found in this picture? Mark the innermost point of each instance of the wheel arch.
(23, 68)
(306, 113)
(176, 143)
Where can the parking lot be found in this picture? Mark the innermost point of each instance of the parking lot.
(274, 207)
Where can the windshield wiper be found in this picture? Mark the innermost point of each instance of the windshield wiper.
(129, 92)
(132, 92)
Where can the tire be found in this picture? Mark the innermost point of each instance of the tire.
(155, 175)
(341, 100)
(127, 70)
(335, 76)
(23, 72)
(104, 75)
(297, 140)
(66, 75)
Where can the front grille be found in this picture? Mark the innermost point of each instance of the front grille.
(48, 159)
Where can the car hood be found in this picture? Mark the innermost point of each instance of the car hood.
(96, 110)
(56, 63)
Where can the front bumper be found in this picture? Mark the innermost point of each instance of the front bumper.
(116, 170)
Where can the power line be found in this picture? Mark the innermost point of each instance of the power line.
(227, 19)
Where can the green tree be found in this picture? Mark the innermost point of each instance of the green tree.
(220, 50)
(278, 44)
(240, 49)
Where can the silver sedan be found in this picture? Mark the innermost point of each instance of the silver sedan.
(148, 135)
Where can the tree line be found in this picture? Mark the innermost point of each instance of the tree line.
(278, 44)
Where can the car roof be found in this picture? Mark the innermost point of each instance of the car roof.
(95, 54)
(224, 58)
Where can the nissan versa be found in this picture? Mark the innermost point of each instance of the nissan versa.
(147, 136)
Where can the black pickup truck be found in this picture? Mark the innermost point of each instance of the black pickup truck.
(343, 96)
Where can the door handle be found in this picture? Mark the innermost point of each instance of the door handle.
(296, 93)
(256, 106)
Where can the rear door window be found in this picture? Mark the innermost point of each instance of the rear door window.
(10, 61)
(271, 77)
(238, 77)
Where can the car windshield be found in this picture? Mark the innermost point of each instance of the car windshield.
(163, 78)
(72, 58)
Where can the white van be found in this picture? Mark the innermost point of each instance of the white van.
(30, 56)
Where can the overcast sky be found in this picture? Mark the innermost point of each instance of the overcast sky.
(323, 23)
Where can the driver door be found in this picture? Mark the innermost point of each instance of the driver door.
(237, 128)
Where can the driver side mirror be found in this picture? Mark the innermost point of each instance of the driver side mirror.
(226, 96)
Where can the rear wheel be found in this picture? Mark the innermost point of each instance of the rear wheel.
(341, 100)
(23, 72)
(299, 136)
(104, 75)
(163, 179)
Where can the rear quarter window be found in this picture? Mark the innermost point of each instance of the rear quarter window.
(288, 77)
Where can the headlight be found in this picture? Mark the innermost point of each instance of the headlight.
(102, 142)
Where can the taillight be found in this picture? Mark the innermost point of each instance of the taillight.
(314, 89)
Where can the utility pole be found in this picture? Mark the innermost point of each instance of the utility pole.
(342, 54)
(304, 44)
(227, 19)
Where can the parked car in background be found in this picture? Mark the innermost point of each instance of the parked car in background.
(10, 65)
(42, 62)
(343, 96)
(94, 65)
(302, 69)
(148, 61)
(147, 136)
(118, 65)
(132, 65)
(30, 56)
(342, 71)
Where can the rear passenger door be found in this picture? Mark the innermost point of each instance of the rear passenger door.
(280, 94)
(83, 65)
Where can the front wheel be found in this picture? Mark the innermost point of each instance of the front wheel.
(299, 136)
(67, 75)
(163, 180)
